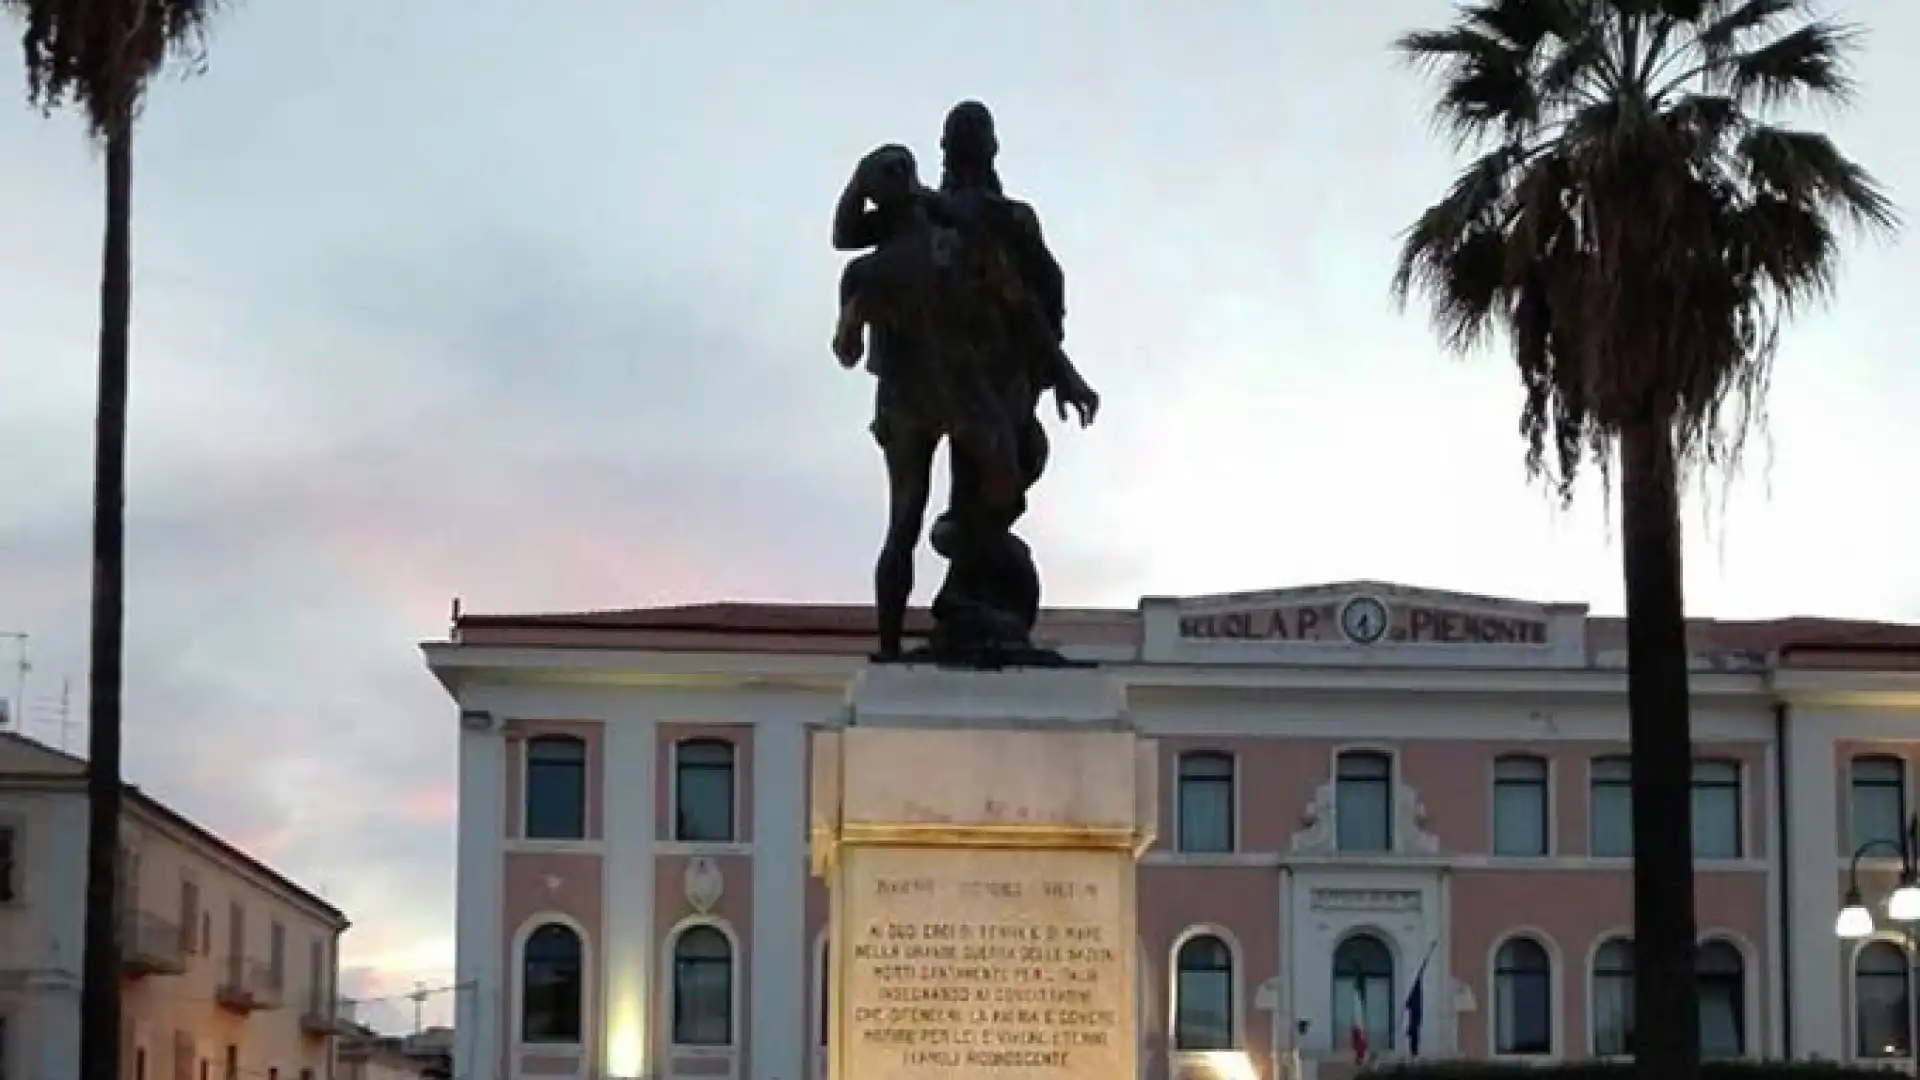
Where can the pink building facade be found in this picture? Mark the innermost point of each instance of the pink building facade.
(1372, 795)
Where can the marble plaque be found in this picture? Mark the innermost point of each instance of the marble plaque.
(984, 962)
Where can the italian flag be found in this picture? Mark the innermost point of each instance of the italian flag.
(1357, 1034)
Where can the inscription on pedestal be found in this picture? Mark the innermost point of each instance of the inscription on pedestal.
(986, 962)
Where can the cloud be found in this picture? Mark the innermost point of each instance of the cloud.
(461, 298)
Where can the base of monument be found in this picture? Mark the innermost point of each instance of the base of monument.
(981, 657)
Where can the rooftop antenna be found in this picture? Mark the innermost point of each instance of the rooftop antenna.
(419, 999)
(65, 718)
(453, 631)
(16, 716)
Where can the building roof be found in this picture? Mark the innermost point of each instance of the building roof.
(750, 626)
(70, 773)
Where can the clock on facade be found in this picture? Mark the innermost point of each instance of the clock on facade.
(1363, 619)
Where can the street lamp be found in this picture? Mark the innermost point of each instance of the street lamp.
(1903, 905)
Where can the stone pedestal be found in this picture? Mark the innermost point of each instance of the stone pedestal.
(978, 833)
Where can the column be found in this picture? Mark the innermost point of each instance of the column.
(478, 941)
(778, 970)
(627, 880)
(1813, 893)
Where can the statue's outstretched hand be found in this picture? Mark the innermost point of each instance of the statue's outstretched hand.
(1073, 392)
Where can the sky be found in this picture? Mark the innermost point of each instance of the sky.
(530, 304)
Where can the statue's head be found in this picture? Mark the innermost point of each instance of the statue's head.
(968, 136)
(892, 176)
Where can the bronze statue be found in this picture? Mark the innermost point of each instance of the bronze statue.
(963, 306)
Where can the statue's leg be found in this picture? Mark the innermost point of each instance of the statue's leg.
(909, 453)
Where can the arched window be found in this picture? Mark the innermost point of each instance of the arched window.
(1363, 801)
(1203, 995)
(1882, 1011)
(1363, 992)
(702, 988)
(551, 977)
(1206, 802)
(1613, 999)
(1721, 977)
(703, 791)
(1522, 998)
(556, 795)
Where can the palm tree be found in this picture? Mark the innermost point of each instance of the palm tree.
(101, 55)
(1637, 231)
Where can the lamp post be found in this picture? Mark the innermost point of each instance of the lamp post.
(1855, 921)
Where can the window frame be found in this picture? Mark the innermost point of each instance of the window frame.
(531, 767)
(1501, 970)
(1183, 1038)
(525, 984)
(1736, 786)
(13, 884)
(1389, 1037)
(1903, 972)
(1736, 980)
(1596, 783)
(1230, 781)
(1541, 787)
(676, 1000)
(1384, 783)
(1855, 784)
(1629, 973)
(681, 767)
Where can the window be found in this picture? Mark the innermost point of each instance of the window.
(236, 942)
(1610, 808)
(9, 866)
(1363, 802)
(277, 957)
(1613, 999)
(1716, 809)
(3, 1048)
(233, 1062)
(1206, 802)
(139, 1063)
(1522, 998)
(551, 978)
(317, 978)
(1876, 800)
(1882, 1012)
(1363, 992)
(703, 791)
(190, 916)
(1519, 806)
(702, 987)
(1721, 978)
(1203, 995)
(556, 798)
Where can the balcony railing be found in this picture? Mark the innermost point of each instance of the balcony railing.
(329, 1017)
(250, 986)
(150, 944)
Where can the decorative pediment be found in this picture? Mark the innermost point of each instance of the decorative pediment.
(1319, 834)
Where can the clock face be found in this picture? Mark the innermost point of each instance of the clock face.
(1364, 620)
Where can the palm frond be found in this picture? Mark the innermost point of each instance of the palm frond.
(1807, 63)
(102, 54)
(1806, 168)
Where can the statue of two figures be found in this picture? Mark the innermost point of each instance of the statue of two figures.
(962, 308)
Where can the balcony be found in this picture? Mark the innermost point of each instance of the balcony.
(249, 986)
(150, 945)
(321, 1019)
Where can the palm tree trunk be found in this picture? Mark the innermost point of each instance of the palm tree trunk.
(100, 977)
(1666, 1039)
